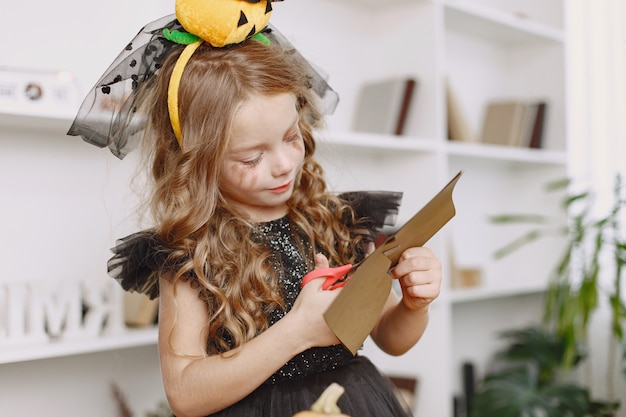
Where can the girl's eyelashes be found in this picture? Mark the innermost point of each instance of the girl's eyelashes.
(296, 136)
(252, 162)
(293, 138)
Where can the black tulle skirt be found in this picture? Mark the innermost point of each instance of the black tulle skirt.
(368, 393)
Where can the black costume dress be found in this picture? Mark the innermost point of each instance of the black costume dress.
(297, 384)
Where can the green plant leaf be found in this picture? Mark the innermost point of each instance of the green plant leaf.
(525, 239)
(588, 299)
(558, 185)
(570, 200)
(618, 309)
(603, 408)
(517, 392)
(520, 218)
(536, 345)
(521, 241)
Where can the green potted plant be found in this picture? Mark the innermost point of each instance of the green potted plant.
(538, 359)
(527, 380)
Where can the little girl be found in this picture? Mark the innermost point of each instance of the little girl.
(241, 213)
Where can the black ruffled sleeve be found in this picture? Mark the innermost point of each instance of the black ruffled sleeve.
(373, 209)
(137, 262)
(140, 258)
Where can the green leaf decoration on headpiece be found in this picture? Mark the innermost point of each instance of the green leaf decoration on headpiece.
(183, 38)
(262, 38)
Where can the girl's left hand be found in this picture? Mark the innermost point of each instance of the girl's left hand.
(419, 274)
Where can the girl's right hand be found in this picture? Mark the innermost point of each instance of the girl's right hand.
(310, 306)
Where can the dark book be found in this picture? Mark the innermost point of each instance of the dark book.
(536, 136)
(383, 106)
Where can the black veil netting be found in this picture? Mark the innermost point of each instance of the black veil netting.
(108, 115)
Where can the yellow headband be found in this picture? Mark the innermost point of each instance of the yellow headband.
(172, 91)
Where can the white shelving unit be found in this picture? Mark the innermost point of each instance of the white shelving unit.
(56, 349)
(484, 49)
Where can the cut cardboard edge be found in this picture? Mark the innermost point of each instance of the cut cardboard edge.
(357, 308)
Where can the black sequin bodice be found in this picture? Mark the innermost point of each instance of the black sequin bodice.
(291, 267)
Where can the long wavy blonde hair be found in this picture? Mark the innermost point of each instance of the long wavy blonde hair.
(192, 216)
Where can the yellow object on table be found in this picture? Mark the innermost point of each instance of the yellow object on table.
(326, 404)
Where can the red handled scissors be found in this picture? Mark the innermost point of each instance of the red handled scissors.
(335, 277)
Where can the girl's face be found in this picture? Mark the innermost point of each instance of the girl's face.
(264, 156)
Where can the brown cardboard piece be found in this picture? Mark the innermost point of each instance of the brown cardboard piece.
(357, 308)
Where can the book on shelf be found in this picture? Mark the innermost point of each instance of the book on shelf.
(383, 106)
(536, 135)
(517, 123)
(458, 128)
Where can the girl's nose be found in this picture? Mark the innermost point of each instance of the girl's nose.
(283, 164)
